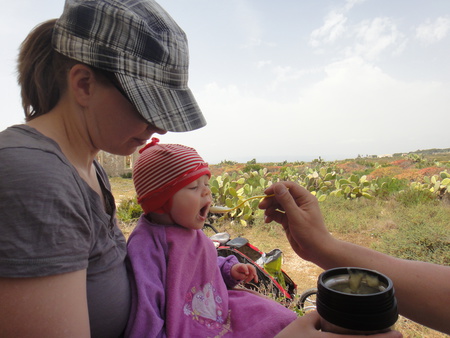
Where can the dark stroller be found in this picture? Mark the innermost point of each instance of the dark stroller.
(272, 280)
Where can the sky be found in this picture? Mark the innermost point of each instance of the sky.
(293, 80)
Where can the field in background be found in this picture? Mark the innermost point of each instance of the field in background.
(397, 223)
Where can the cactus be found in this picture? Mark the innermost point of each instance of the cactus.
(321, 181)
(438, 184)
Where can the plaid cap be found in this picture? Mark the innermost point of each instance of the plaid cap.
(163, 169)
(143, 46)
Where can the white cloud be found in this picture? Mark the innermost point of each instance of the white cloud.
(289, 102)
(356, 108)
(242, 125)
(333, 28)
(335, 25)
(361, 109)
(289, 75)
(367, 38)
(433, 31)
(263, 63)
(349, 4)
(373, 37)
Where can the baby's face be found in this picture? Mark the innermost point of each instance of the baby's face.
(190, 205)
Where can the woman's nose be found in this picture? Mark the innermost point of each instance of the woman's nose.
(153, 129)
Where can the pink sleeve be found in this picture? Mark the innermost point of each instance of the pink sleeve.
(147, 271)
(225, 264)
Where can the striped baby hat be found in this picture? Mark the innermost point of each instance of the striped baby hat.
(163, 169)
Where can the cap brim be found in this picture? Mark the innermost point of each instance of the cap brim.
(173, 110)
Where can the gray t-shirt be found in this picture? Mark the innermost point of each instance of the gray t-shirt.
(52, 222)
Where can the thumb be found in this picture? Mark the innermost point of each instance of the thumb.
(284, 198)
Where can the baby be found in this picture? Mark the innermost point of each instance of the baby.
(180, 287)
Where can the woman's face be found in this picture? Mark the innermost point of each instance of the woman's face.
(116, 125)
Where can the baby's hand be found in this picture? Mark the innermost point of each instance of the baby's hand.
(244, 272)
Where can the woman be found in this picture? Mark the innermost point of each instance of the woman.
(106, 75)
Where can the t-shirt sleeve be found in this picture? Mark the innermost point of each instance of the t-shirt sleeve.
(44, 218)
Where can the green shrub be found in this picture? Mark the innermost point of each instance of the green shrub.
(252, 167)
(347, 216)
(411, 197)
(227, 162)
(388, 186)
(422, 234)
(129, 210)
(363, 172)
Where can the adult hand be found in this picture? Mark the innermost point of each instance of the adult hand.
(297, 210)
(309, 326)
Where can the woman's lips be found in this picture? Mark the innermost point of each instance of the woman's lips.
(140, 142)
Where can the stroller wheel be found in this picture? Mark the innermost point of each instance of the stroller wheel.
(307, 300)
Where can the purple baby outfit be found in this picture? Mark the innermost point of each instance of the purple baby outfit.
(180, 288)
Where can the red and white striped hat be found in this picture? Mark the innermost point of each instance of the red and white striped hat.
(163, 169)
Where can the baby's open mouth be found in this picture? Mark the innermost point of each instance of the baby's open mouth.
(204, 210)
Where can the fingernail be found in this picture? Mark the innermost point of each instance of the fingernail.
(281, 189)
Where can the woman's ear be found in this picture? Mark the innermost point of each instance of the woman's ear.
(81, 83)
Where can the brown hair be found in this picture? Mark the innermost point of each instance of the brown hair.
(43, 71)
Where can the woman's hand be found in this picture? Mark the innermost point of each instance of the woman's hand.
(244, 272)
(297, 210)
(309, 326)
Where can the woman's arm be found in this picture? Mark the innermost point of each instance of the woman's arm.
(422, 289)
(54, 306)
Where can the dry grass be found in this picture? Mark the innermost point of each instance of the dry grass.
(269, 236)
(122, 188)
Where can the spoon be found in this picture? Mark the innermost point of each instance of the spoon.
(224, 210)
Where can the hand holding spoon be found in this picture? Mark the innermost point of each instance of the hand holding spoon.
(224, 210)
